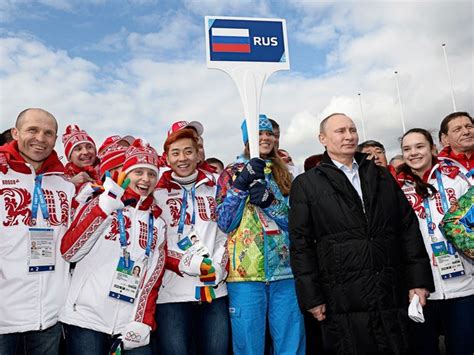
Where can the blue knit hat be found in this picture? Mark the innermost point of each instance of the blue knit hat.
(263, 125)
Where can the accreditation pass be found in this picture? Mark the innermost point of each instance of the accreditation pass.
(126, 280)
(41, 250)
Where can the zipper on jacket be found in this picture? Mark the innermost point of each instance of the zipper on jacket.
(133, 219)
(40, 302)
(117, 309)
(40, 297)
(354, 191)
(40, 279)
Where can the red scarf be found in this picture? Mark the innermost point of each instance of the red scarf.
(72, 170)
(11, 157)
(147, 203)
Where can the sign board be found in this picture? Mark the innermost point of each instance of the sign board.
(249, 50)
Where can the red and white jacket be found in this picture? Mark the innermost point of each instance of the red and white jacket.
(169, 196)
(30, 301)
(93, 242)
(461, 160)
(455, 186)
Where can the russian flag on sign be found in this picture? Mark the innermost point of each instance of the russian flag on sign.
(230, 40)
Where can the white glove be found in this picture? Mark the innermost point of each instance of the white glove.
(84, 193)
(135, 335)
(220, 274)
(190, 264)
(110, 199)
(415, 310)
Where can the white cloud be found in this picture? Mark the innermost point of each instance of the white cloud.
(114, 42)
(143, 96)
(175, 32)
(318, 35)
(241, 8)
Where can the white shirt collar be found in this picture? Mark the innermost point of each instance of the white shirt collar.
(341, 166)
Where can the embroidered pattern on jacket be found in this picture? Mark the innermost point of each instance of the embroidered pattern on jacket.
(17, 206)
(157, 272)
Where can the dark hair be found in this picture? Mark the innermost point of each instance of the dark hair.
(181, 134)
(422, 188)
(273, 123)
(370, 143)
(443, 128)
(312, 161)
(6, 136)
(215, 161)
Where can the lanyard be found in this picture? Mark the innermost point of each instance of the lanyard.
(444, 202)
(123, 235)
(150, 235)
(184, 205)
(39, 199)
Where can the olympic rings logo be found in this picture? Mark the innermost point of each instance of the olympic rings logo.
(132, 336)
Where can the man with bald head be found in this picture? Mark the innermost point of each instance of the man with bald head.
(35, 207)
(356, 249)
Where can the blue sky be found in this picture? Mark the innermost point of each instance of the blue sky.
(96, 32)
(134, 67)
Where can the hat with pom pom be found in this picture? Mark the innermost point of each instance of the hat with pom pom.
(74, 136)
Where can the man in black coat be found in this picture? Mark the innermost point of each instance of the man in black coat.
(356, 249)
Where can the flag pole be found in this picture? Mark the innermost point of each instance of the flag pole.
(449, 76)
(362, 116)
(400, 102)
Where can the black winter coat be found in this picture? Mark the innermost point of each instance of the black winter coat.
(359, 263)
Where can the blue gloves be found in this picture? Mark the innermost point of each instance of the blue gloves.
(261, 196)
(252, 171)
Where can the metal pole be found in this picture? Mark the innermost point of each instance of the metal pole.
(449, 76)
(400, 103)
(362, 116)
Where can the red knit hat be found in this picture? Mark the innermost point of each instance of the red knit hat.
(140, 155)
(111, 157)
(112, 152)
(74, 136)
(124, 141)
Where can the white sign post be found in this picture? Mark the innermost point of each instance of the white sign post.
(249, 50)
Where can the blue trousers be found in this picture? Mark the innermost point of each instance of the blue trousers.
(185, 328)
(82, 341)
(41, 342)
(250, 303)
(454, 318)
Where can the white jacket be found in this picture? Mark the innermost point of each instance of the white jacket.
(169, 196)
(455, 186)
(93, 241)
(31, 301)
